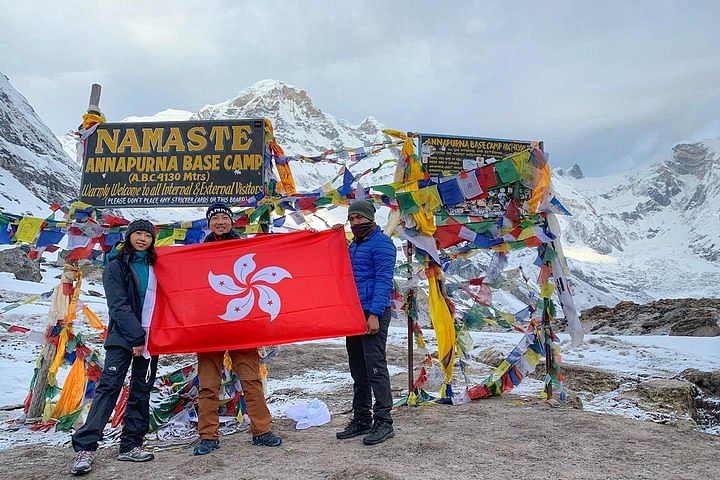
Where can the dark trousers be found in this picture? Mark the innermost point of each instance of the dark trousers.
(368, 367)
(137, 413)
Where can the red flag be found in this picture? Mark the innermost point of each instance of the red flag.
(246, 293)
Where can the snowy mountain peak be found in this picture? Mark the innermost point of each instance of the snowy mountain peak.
(31, 157)
(300, 126)
(698, 159)
(574, 172)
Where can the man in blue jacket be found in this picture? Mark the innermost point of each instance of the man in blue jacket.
(372, 255)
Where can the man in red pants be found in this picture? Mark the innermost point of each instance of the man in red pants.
(245, 363)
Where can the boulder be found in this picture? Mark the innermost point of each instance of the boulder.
(697, 323)
(669, 396)
(489, 356)
(708, 382)
(589, 379)
(17, 262)
(583, 379)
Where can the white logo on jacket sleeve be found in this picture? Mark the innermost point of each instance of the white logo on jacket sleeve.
(249, 290)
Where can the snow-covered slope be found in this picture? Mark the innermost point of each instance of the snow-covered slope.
(650, 233)
(168, 115)
(34, 169)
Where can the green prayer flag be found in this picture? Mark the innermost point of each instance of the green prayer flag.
(506, 171)
(480, 227)
(254, 216)
(388, 190)
(322, 201)
(66, 422)
(550, 254)
(407, 203)
(164, 233)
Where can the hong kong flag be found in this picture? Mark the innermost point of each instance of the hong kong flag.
(267, 290)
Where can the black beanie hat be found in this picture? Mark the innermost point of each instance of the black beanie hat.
(364, 208)
(137, 225)
(216, 208)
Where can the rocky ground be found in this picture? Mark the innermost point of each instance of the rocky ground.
(684, 316)
(506, 437)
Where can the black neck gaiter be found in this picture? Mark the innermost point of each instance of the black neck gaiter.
(362, 230)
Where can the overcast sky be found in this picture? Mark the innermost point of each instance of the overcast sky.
(607, 85)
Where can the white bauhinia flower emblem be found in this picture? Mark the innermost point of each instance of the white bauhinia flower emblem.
(248, 289)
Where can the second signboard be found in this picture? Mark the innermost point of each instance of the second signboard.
(445, 155)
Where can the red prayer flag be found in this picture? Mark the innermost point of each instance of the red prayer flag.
(266, 290)
(486, 177)
(17, 329)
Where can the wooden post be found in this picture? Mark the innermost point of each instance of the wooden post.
(410, 320)
(37, 402)
(94, 103)
(548, 348)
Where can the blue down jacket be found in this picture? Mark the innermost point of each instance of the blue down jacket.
(373, 264)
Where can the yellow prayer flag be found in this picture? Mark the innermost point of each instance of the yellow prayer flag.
(532, 357)
(526, 233)
(28, 229)
(165, 241)
(60, 353)
(425, 222)
(179, 234)
(503, 247)
(79, 205)
(547, 290)
(428, 198)
(395, 133)
(444, 327)
(541, 187)
(521, 160)
(501, 369)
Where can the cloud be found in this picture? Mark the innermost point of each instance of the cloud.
(604, 85)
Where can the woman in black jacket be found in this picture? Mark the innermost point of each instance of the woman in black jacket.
(125, 281)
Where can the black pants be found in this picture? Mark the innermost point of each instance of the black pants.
(368, 367)
(137, 413)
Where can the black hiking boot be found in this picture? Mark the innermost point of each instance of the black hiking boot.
(205, 446)
(268, 439)
(354, 428)
(380, 432)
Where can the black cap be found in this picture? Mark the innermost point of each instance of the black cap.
(144, 225)
(216, 208)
